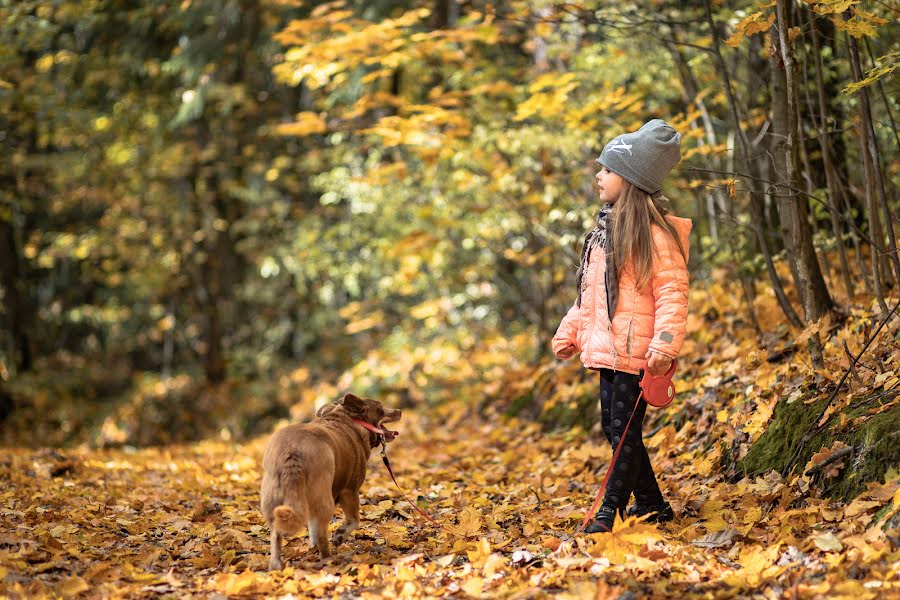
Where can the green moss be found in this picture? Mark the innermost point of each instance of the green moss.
(580, 411)
(520, 404)
(875, 450)
(779, 442)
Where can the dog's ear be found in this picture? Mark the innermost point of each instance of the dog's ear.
(325, 410)
(353, 403)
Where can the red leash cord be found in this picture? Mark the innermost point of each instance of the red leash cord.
(390, 471)
(668, 395)
(387, 463)
(660, 392)
(612, 463)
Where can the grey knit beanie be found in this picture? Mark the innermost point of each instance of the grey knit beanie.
(644, 157)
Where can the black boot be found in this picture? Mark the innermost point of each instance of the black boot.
(659, 513)
(603, 520)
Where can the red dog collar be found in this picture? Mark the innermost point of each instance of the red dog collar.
(378, 430)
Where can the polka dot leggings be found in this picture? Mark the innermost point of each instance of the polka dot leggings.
(632, 472)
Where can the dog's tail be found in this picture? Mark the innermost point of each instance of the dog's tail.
(287, 521)
(290, 516)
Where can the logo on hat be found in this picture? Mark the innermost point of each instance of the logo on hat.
(618, 145)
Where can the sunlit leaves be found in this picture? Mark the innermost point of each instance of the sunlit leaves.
(549, 93)
(306, 123)
(426, 127)
(831, 6)
(862, 24)
(329, 44)
(887, 64)
(751, 24)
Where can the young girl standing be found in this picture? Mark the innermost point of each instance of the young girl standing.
(632, 304)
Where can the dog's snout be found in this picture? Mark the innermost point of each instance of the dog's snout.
(392, 414)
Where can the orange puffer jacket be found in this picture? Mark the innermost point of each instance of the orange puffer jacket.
(652, 318)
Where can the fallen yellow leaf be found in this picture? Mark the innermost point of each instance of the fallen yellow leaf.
(828, 543)
(72, 586)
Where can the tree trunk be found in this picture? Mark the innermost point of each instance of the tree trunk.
(779, 152)
(208, 279)
(870, 173)
(810, 283)
(12, 283)
(445, 14)
(717, 202)
(871, 148)
(831, 178)
(751, 181)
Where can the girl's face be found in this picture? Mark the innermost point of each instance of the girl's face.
(609, 184)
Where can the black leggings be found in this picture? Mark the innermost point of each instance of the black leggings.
(632, 472)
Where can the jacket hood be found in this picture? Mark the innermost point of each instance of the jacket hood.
(683, 228)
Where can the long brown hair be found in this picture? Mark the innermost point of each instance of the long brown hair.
(631, 218)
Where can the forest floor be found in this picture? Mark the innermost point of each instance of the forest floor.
(182, 521)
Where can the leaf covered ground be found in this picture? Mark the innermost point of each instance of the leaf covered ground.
(182, 521)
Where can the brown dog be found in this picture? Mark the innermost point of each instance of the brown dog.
(310, 467)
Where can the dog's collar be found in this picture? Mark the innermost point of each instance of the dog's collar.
(370, 427)
(381, 435)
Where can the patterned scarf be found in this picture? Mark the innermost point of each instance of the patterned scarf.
(600, 236)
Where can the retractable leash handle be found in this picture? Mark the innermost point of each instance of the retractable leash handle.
(657, 391)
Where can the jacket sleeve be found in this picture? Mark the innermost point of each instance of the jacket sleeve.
(567, 332)
(670, 293)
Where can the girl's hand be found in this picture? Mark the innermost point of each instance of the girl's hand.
(657, 363)
(567, 352)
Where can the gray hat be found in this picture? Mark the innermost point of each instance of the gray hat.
(644, 157)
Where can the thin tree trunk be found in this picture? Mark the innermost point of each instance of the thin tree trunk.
(445, 13)
(12, 283)
(780, 151)
(811, 285)
(208, 283)
(874, 224)
(750, 165)
(819, 299)
(807, 165)
(716, 201)
(884, 98)
(837, 119)
(870, 172)
(539, 44)
(847, 208)
(874, 157)
(825, 145)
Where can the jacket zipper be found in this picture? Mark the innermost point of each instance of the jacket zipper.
(628, 342)
(593, 307)
(612, 343)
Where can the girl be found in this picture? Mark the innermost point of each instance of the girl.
(632, 304)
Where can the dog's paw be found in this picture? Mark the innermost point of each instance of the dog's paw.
(275, 564)
(326, 561)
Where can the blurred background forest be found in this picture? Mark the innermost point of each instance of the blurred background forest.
(215, 211)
